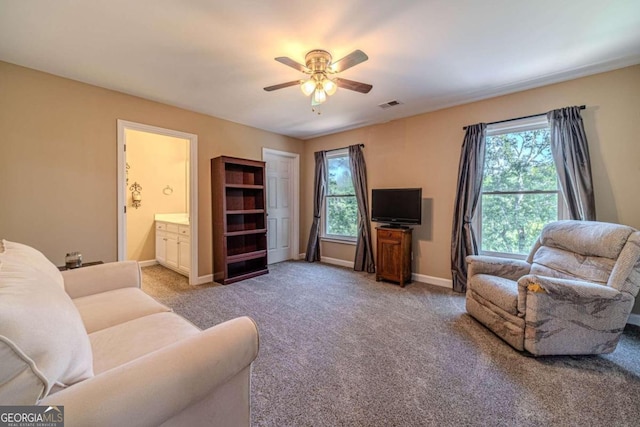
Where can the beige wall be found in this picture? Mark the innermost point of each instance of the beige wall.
(58, 161)
(58, 158)
(155, 163)
(423, 151)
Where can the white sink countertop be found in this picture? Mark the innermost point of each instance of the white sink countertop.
(175, 218)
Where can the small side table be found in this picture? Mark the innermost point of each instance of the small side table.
(84, 264)
(394, 255)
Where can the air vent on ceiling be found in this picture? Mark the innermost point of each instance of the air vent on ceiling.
(389, 104)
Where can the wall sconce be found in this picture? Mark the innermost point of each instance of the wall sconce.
(136, 197)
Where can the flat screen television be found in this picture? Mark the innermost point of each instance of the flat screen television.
(397, 206)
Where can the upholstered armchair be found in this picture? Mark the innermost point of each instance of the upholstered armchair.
(573, 294)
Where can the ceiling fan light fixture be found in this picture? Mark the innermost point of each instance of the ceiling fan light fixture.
(319, 96)
(329, 86)
(308, 86)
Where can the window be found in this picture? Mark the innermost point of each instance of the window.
(341, 206)
(519, 187)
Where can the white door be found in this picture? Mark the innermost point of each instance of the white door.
(279, 171)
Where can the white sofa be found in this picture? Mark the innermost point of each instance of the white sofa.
(91, 340)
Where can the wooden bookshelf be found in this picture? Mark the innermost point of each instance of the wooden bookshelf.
(239, 219)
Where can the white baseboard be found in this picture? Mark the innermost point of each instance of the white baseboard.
(333, 261)
(437, 281)
(634, 319)
(431, 280)
(148, 263)
(201, 280)
(336, 261)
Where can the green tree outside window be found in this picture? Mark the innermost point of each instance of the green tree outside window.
(341, 206)
(519, 190)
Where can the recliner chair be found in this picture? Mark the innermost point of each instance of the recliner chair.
(573, 294)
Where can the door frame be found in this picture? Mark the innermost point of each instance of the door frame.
(295, 190)
(124, 125)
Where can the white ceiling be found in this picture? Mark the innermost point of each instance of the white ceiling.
(215, 57)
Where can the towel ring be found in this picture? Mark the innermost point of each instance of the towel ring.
(167, 191)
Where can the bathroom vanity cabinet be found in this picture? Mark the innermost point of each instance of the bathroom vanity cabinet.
(173, 245)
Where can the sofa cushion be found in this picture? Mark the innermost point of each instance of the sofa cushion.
(19, 254)
(127, 341)
(500, 291)
(106, 309)
(42, 339)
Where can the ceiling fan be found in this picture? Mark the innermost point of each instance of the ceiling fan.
(320, 69)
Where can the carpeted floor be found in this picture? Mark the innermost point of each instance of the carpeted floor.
(340, 349)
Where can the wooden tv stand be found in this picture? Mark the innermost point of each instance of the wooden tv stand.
(394, 254)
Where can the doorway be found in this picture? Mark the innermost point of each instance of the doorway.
(181, 148)
(283, 208)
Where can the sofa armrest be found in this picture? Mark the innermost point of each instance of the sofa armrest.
(152, 389)
(84, 281)
(565, 316)
(508, 268)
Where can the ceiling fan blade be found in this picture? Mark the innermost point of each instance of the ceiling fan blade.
(352, 85)
(282, 85)
(354, 58)
(293, 64)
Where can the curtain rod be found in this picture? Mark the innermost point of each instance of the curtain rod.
(336, 149)
(582, 107)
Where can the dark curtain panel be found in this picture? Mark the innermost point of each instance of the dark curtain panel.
(320, 188)
(571, 157)
(364, 250)
(463, 238)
